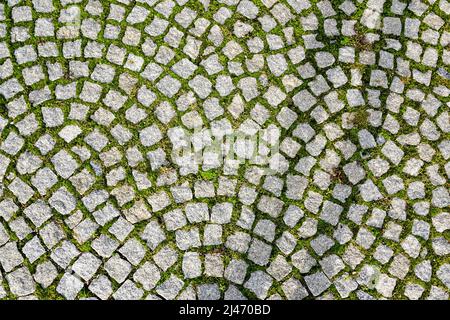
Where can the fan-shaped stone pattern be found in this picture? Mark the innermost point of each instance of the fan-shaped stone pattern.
(343, 195)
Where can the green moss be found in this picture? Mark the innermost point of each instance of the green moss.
(208, 175)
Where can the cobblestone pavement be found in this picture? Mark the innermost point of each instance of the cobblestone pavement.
(224, 149)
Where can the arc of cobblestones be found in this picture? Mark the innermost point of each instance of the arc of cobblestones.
(229, 149)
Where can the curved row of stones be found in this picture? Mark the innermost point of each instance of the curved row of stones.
(352, 203)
